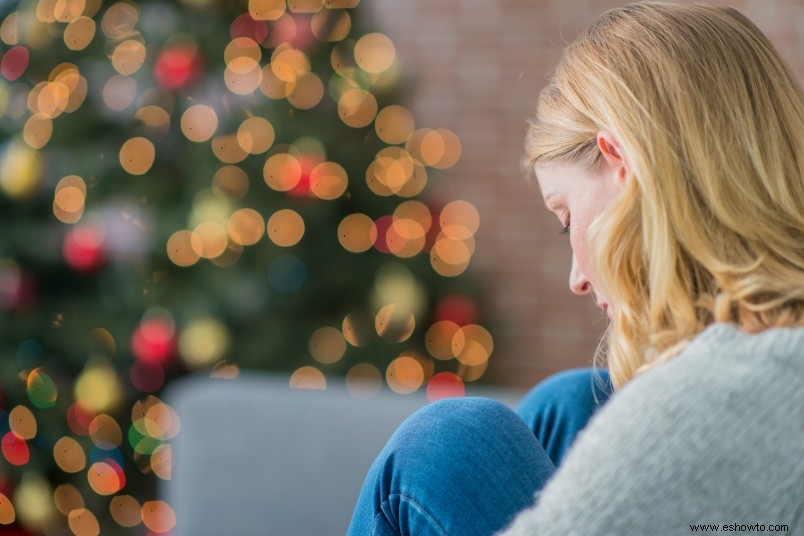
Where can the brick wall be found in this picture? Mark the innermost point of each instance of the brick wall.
(476, 67)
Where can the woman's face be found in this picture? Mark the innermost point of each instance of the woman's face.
(576, 196)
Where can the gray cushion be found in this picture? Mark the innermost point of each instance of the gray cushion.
(256, 457)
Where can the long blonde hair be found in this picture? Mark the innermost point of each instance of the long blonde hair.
(710, 225)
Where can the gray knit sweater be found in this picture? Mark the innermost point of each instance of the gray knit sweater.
(713, 437)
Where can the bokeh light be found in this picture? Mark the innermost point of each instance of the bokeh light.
(83, 522)
(266, 9)
(405, 375)
(394, 124)
(330, 25)
(15, 449)
(203, 342)
(230, 182)
(69, 455)
(255, 135)
(128, 57)
(357, 233)
(285, 227)
(327, 345)
(22, 423)
(199, 122)
(69, 199)
(246, 227)
(137, 155)
(374, 52)
(33, 500)
(227, 149)
(7, 513)
(126, 511)
(395, 323)
(445, 385)
(180, 249)
(79, 33)
(37, 131)
(358, 328)
(364, 381)
(67, 498)
(98, 387)
(41, 388)
(104, 478)
(158, 516)
(308, 378)
(357, 107)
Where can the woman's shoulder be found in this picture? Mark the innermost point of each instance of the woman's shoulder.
(711, 436)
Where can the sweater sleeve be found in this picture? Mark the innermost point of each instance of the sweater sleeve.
(716, 436)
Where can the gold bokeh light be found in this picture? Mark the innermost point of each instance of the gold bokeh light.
(357, 107)
(230, 182)
(119, 92)
(328, 180)
(128, 57)
(69, 455)
(255, 135)
(199, 122)
(308, 378)
(374, 53)
(282, 172)
(120, 20)
(285, 227)
(337, 24)
(126, 511)
(266, 9)
(227, 150)
(246, 227)
(327, 345)
(394, 124)
(357, 233)
(37, 131)
(79, 33)
(180, 249)
(67, 498)
(82, 522)
(137, 155)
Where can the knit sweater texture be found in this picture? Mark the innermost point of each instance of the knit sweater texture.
(713, 437)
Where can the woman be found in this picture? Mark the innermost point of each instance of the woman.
(669, 143)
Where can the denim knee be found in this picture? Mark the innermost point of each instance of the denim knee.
(559, 407)
(448, 462)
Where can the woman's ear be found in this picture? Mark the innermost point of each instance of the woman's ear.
(612, 154)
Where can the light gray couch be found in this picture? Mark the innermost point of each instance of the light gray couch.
(255, 457)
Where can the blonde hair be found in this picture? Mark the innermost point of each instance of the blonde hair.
(710, 225)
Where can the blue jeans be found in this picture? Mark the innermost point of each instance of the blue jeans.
(467, 466)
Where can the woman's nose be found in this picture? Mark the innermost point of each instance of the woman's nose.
(577, 280)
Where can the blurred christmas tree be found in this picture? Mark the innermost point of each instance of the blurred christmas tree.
(207, 186)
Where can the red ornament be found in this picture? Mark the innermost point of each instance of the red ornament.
(456, 308)
(83, 249)
(152, 341)
(15, 449)
(177, 66)
(445, 385)
(382, 224)
(245, 26)
(302, 188)
(14, 62)
(147, 377)
(79, 417)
